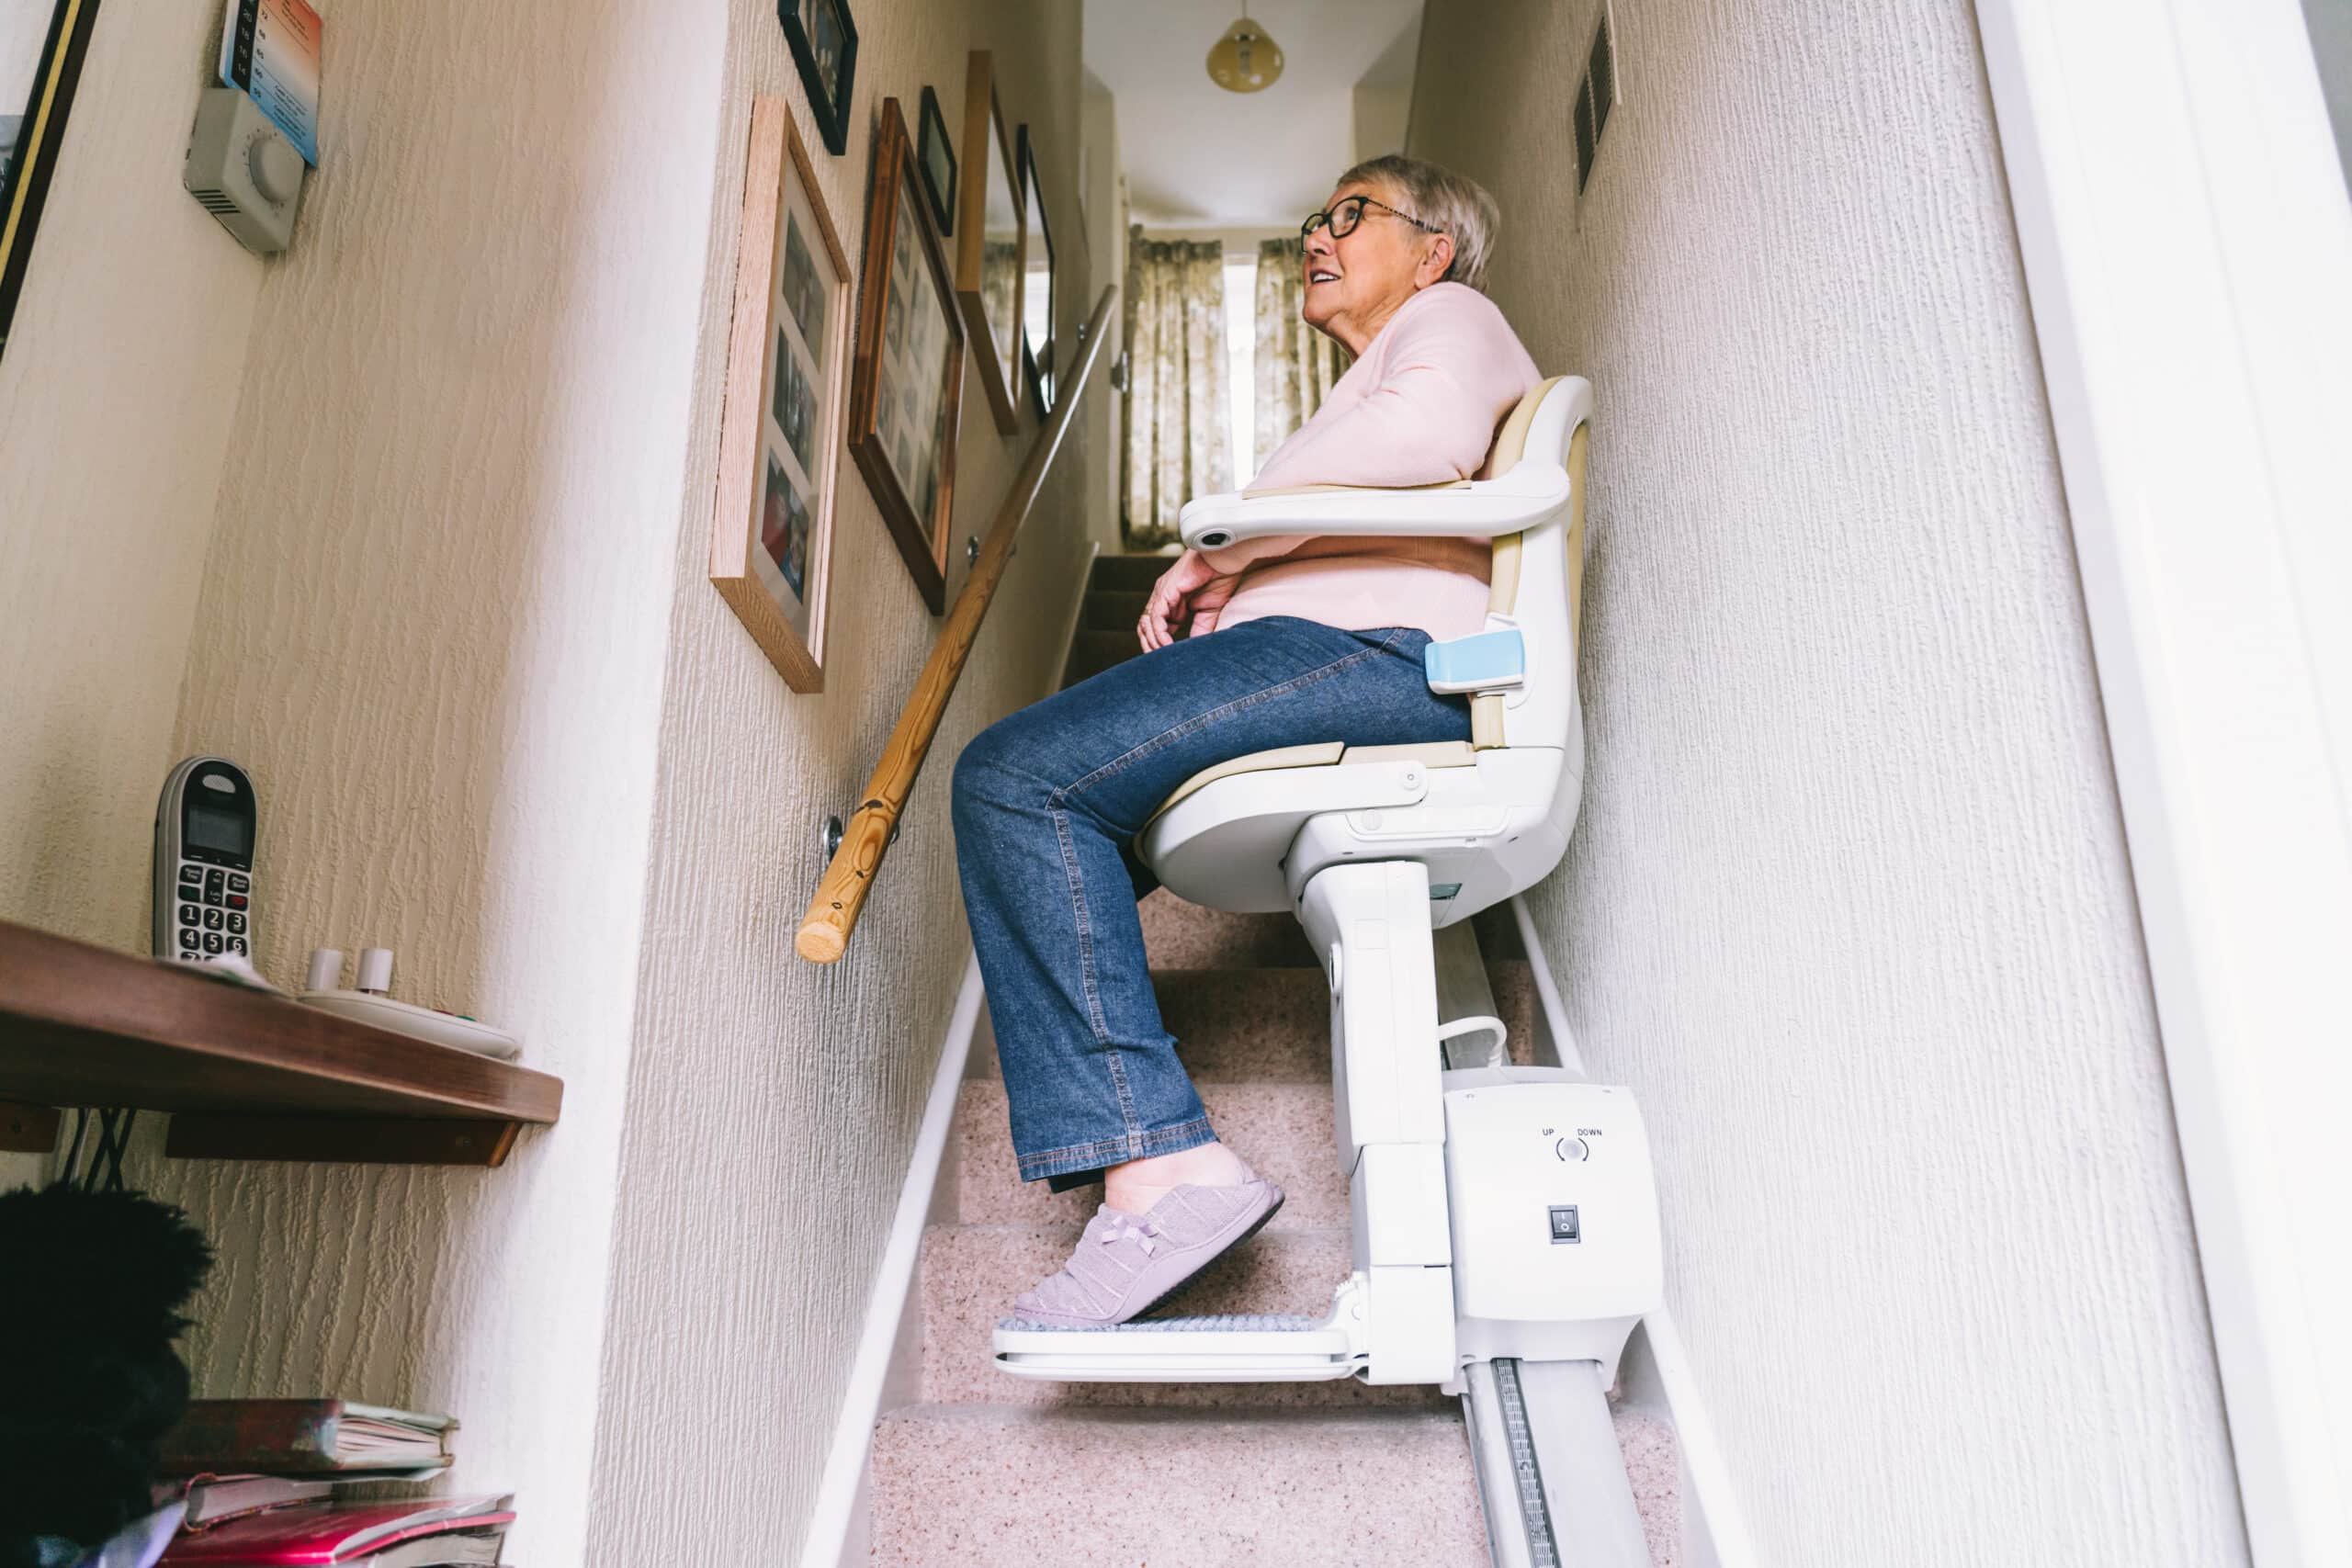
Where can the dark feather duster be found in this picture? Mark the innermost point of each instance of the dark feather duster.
(91, 1288)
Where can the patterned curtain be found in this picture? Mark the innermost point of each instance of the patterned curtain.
(1295, 364)
(1177, 441)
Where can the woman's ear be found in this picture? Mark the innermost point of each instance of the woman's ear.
(1435, 260)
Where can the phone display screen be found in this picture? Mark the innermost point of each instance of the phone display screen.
(225, 832)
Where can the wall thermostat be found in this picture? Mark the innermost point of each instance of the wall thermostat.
(243, 170)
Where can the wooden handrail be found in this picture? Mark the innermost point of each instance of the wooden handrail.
(840, 897)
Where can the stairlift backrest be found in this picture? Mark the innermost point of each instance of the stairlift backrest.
(1537, 576)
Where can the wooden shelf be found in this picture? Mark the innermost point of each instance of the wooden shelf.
(245, 1074)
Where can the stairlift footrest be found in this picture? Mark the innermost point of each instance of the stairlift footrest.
(1266, 1348)
(1232, 1348)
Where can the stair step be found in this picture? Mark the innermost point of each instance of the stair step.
(971, 1274)
(1282, 1129)
(1128, 573)
(1094, 652)
(1179, 935)
(1248, 1025)
(984, 1485)
(1113, 610)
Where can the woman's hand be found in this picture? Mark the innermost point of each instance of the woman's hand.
(1191, 587)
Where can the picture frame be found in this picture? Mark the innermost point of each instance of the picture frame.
(781, 431)
(987, 243)
(936, 155)
(907, 370)
(823, 36)
(1037, 301)
(34, 107)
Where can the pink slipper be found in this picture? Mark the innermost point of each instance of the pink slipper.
(1126, 1264)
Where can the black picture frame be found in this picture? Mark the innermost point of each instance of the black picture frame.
(34, 161)
(934, 151)
(1036, 346)
(815, 46)
(892, 358)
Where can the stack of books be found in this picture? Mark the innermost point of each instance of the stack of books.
(260, 1478)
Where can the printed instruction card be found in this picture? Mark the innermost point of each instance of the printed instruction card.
(270, 49)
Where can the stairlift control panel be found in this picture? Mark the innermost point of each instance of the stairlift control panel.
(1553, 1212)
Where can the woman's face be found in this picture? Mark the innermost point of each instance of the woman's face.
(1354, 284)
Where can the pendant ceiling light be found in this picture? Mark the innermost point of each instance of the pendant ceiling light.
(1244, 60)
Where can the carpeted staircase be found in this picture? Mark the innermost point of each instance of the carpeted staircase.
(984, 1469)
(1106, 620)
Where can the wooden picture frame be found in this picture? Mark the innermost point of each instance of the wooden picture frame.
(1037, 283)
(781, 433)
(988, 245)
(823, 36)
(31, 160)
(935, 153)
(908, 376)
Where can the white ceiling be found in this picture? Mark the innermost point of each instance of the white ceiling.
(1198, 156)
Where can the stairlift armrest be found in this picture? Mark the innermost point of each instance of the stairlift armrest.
(1530, 494)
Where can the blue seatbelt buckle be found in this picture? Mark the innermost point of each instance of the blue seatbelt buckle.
(1490, 662)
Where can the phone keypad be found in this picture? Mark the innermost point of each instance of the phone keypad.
(211, 911)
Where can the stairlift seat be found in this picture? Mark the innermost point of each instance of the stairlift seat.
(1488, 816)
(1319, 754)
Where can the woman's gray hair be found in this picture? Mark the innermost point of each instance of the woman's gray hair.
(1444, 201)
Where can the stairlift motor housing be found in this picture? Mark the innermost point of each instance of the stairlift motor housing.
(1554, 1216)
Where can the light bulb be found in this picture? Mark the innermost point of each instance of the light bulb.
(1244, 60)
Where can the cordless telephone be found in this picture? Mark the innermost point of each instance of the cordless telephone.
(204, 862)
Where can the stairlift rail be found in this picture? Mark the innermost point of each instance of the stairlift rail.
(1551, 1477)
(840, 895)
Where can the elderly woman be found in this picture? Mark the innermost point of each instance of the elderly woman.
(1291, 641)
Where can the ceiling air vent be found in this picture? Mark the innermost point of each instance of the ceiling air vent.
(1595, 94)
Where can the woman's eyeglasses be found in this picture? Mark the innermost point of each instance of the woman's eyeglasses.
(1347, 212)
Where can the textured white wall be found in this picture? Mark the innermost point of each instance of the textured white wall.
(433, 623)
(1378, 126)
(1849, 906)
(772, 1104)
(117, 390)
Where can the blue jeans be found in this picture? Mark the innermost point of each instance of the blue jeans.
(1046, 801)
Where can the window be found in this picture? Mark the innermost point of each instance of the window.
(1241, 360)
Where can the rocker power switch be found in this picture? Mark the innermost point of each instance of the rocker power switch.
(1572, 1148)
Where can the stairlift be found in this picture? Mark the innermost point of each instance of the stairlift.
(1505, 1219)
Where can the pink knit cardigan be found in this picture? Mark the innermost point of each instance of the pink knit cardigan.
(1420, 406)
